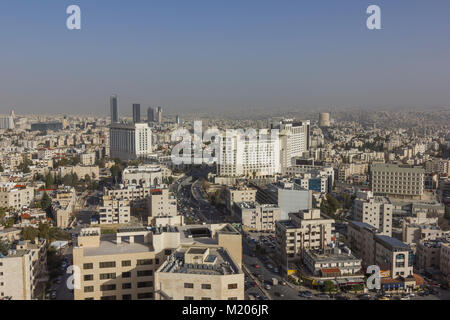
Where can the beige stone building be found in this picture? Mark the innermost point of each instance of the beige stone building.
(87, 159)
(81, 171)
(257, 217)
(239, 194)
(200, 273)
(114, 211)
(22, 270)
(420, 228)
(15, 196)
(305, 230)
(161, 203)
(445, 261)
(376, 211)
(124, 266)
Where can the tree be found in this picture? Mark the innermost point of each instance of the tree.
(30, 233)
(49, 181)
(4, 247)
(46, 202)
(328, 286)
(1, 168)
(87, 178)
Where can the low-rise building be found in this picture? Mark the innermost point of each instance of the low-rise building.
(22, 269)
(257, 217)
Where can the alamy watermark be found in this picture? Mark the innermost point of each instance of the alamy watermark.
(74, 20)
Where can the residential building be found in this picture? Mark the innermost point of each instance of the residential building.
(376, 211)
(305, 230)
(257, 217)
(130, 141)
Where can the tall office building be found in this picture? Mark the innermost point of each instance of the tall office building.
(294, 139)
(136, 113)
(114, 109)
(7, 122)
(130, 142)
(178, 120)
(159, 115)
(150, 115)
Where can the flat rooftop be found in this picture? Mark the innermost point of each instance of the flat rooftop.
(108, 246)
(217, 263)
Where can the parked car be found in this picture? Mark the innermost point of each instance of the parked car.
(305, 294)
(323, 296)
(279, 294)
(267, 287)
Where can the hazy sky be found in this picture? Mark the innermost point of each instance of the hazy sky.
(222, 54)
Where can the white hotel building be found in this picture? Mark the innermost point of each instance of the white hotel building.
(242, 155)
(130, 141)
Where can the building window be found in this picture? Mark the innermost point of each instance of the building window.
(188, 298)
(108, 298)
(105, 276)
(126, 297)
(144, 262)
(109, 264)
(88, 266)
(205, 298)
(126, 263)
(232, 286)
(145, 273)
(146, 284)
(88, 277)
(189, 285)
(167, 252)
(89, 289)
(126, 285)
(88, 298)
(232, 298)
(126, 274)
(108, 287)
(206, 286)
(145, 295)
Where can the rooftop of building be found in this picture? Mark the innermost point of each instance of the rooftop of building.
(109, 246)
(210, 261)
(332, 255)
(392, 243)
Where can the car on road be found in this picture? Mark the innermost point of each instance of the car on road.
(364, 296)
(267, 287)
(384, 298)
(305, 294)
(279, 294)
(341, 297)
(53, 295)
(256, 266)
(323, 296)
(269, 266)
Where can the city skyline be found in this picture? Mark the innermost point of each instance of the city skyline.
(209, 56)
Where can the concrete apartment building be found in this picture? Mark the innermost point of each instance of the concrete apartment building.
(239, 194)
(123, 266)
(333, 263)
(136, 194)
(394, 257)
(15, 196)
(445, 262)
(398, 181)
(161, 203)
(288, 195)
(257, 217)
(23, 269)
(305, 230)
(114, 211)
(428, 254)
(87, 159)
(376, 211)
(420, 228)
